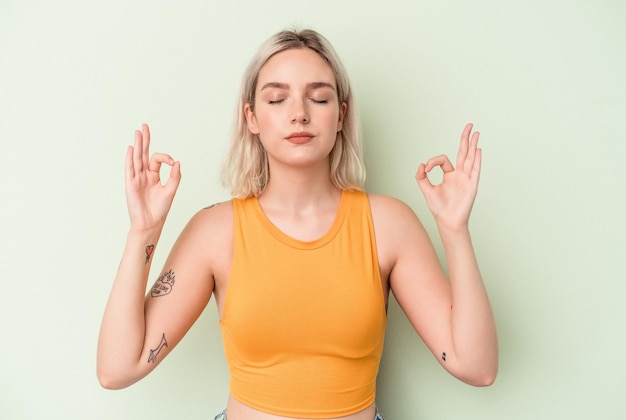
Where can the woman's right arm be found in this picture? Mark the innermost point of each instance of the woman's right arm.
(122, 333)
(137, 332)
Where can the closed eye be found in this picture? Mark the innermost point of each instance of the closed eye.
(274, 102)
(319, 101)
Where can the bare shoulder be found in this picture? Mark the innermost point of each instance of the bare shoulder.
(398, 230)
(218, 216)
(211, 218)
(209, 232)
(390, 212)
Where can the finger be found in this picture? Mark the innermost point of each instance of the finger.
(475, 176)
(174, 180)
(442, 161)
(129, 170)
(158, 159)
(137, 160)
(422, 179)
(154, 167)
(471, 153)
(145, 152)
(463, 145)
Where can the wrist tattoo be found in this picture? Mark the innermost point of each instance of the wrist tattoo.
(155, 352)
(164, 284)
(149, 250)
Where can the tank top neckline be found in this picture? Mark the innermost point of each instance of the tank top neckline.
(344, 205)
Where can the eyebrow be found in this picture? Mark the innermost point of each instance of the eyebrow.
(285, 86)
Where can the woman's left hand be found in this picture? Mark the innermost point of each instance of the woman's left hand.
(451, 201)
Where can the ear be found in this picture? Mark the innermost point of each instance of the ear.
(250, 119)
(342, 113)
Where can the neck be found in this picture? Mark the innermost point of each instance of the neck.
(299, 189)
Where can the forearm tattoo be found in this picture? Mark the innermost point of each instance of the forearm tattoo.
(155, 352)
(149, 250)
(443, 356)
(164, 284)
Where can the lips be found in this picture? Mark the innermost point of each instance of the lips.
(300, 137)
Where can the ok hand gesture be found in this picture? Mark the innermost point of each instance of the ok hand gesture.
(451, 201)
(148, 200)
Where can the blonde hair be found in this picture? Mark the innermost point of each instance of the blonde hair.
(246, 170)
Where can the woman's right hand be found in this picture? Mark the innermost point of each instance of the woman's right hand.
(148, 200)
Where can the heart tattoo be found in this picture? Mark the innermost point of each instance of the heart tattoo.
(149, 250)
(164, 284)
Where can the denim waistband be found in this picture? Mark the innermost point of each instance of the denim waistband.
(222, 416)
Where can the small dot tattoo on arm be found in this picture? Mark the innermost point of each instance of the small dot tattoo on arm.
(443, 356)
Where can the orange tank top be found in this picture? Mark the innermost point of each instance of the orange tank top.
(303, 322)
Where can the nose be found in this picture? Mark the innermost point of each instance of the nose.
(299, 113)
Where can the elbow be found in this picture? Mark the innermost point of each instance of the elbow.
(114, 373)
(104, 383)
(482, 376)
(111, 380)
(484, 380)
(481, 371)
(478, 380)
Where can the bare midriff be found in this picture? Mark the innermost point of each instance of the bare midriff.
(239, 411)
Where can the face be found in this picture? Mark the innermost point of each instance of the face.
(296, 113)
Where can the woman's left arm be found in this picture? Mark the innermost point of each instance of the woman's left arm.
(453, 316)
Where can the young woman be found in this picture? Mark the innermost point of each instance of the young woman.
(301, 261)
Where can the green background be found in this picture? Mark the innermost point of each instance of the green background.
(542, 80)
